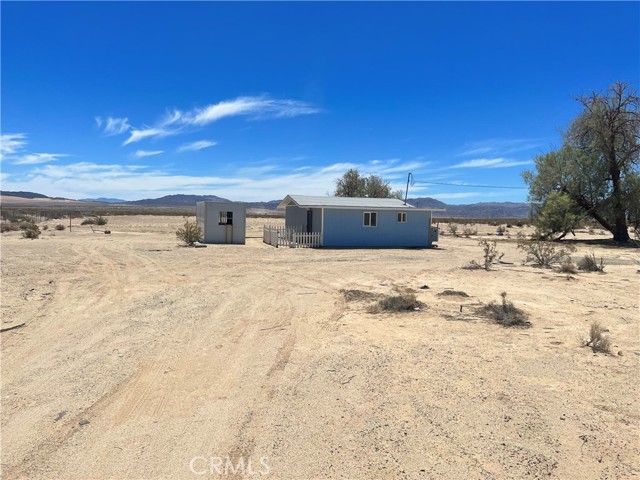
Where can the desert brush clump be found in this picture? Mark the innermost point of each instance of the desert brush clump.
(100, 220)
(469, 230)
(32, 232)
(543, 253)
(89, 221)
(567, 266)
(401, 302)
(597, 341)
(189, 233)
(472, 265)
(505, 313)
(9, 227)
(589, 263)
(60, 227)
(491, 253)
(452, 228)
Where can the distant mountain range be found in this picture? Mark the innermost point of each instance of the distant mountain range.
(473, 210)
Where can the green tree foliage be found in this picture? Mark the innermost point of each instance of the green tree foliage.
(596, 169)
(557, 216)
(354, 184)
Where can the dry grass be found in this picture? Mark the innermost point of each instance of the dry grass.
(403, 302)
(568, 266)
(506, 313)
(359, 295)
(589, 263)
(452, 293)
(597, 341)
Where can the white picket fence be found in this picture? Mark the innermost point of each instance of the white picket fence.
(290, 237)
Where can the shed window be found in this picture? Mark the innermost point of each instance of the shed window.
(225, 218)
(402, 217)
(370, 219)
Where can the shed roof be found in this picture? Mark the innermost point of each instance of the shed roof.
(308, 201)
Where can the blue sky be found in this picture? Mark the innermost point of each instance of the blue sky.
(252, 101)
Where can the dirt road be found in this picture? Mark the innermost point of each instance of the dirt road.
(141, 359)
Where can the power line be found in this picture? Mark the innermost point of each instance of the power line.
(469, 185)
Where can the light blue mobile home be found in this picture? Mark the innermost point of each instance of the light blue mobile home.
(360, 222)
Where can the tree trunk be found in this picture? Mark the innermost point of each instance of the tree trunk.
(620, 230)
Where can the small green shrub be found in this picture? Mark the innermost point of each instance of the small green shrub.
(597, 341)
(589, 263)
(189, 233)
(100, 220)
(32, 232)
(542, 253)
(60, 227)
(469, 230)
(506, 313)
(88, 221)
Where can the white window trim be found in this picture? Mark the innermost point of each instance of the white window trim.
(403, 217)
(369, 226)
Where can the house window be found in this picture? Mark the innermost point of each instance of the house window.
(225, 218)
(402, 217)
(370, 219)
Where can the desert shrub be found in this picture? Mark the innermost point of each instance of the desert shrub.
(490, 253)
(88, 221)
(32, 232)
(190, 233)
(589, 263)
(597, 341)
(100, 220)
(24, 225)
(542, 253)
(500, 230)
(506, 313)
(452, 293)
(9, 227)
(472, 265)
(60, 227)
(469, 230)
(452, 228)
(519, 224)
(45, 227)
(402, 302)
(567, 266)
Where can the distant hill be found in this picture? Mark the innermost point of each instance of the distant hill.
(177, 200)
(22, 194)
(103, 200)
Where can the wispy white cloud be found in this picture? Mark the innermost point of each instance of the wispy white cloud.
(11, 143)
(37, 158)
(254, 107)
(195, 146)
(141, 134)
(113, 126)
(490, 163)
(500, 146)
(147, 153)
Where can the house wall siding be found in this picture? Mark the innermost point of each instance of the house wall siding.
(344, 228)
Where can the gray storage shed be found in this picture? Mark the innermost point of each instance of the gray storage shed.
(222, 222)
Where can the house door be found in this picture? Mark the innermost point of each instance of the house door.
(309, 221)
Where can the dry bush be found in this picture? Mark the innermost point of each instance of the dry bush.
(500, 230)
(490, 253)
(567, 266)
(589, 263)
(190, 233)
(32, 232)
(505, 314)
(469, 230)
(9, 227)
(402, 302)
(597, 341)
(358, 295)
(452, 293)
(472, 265)
(24, 225)
(60, 227)
(88, 221)
(45, 227)
(100, 220)
(542, 253)
(452, 228)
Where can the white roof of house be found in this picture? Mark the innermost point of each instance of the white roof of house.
(308, 201)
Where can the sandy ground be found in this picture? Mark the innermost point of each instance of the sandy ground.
(142, 359)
